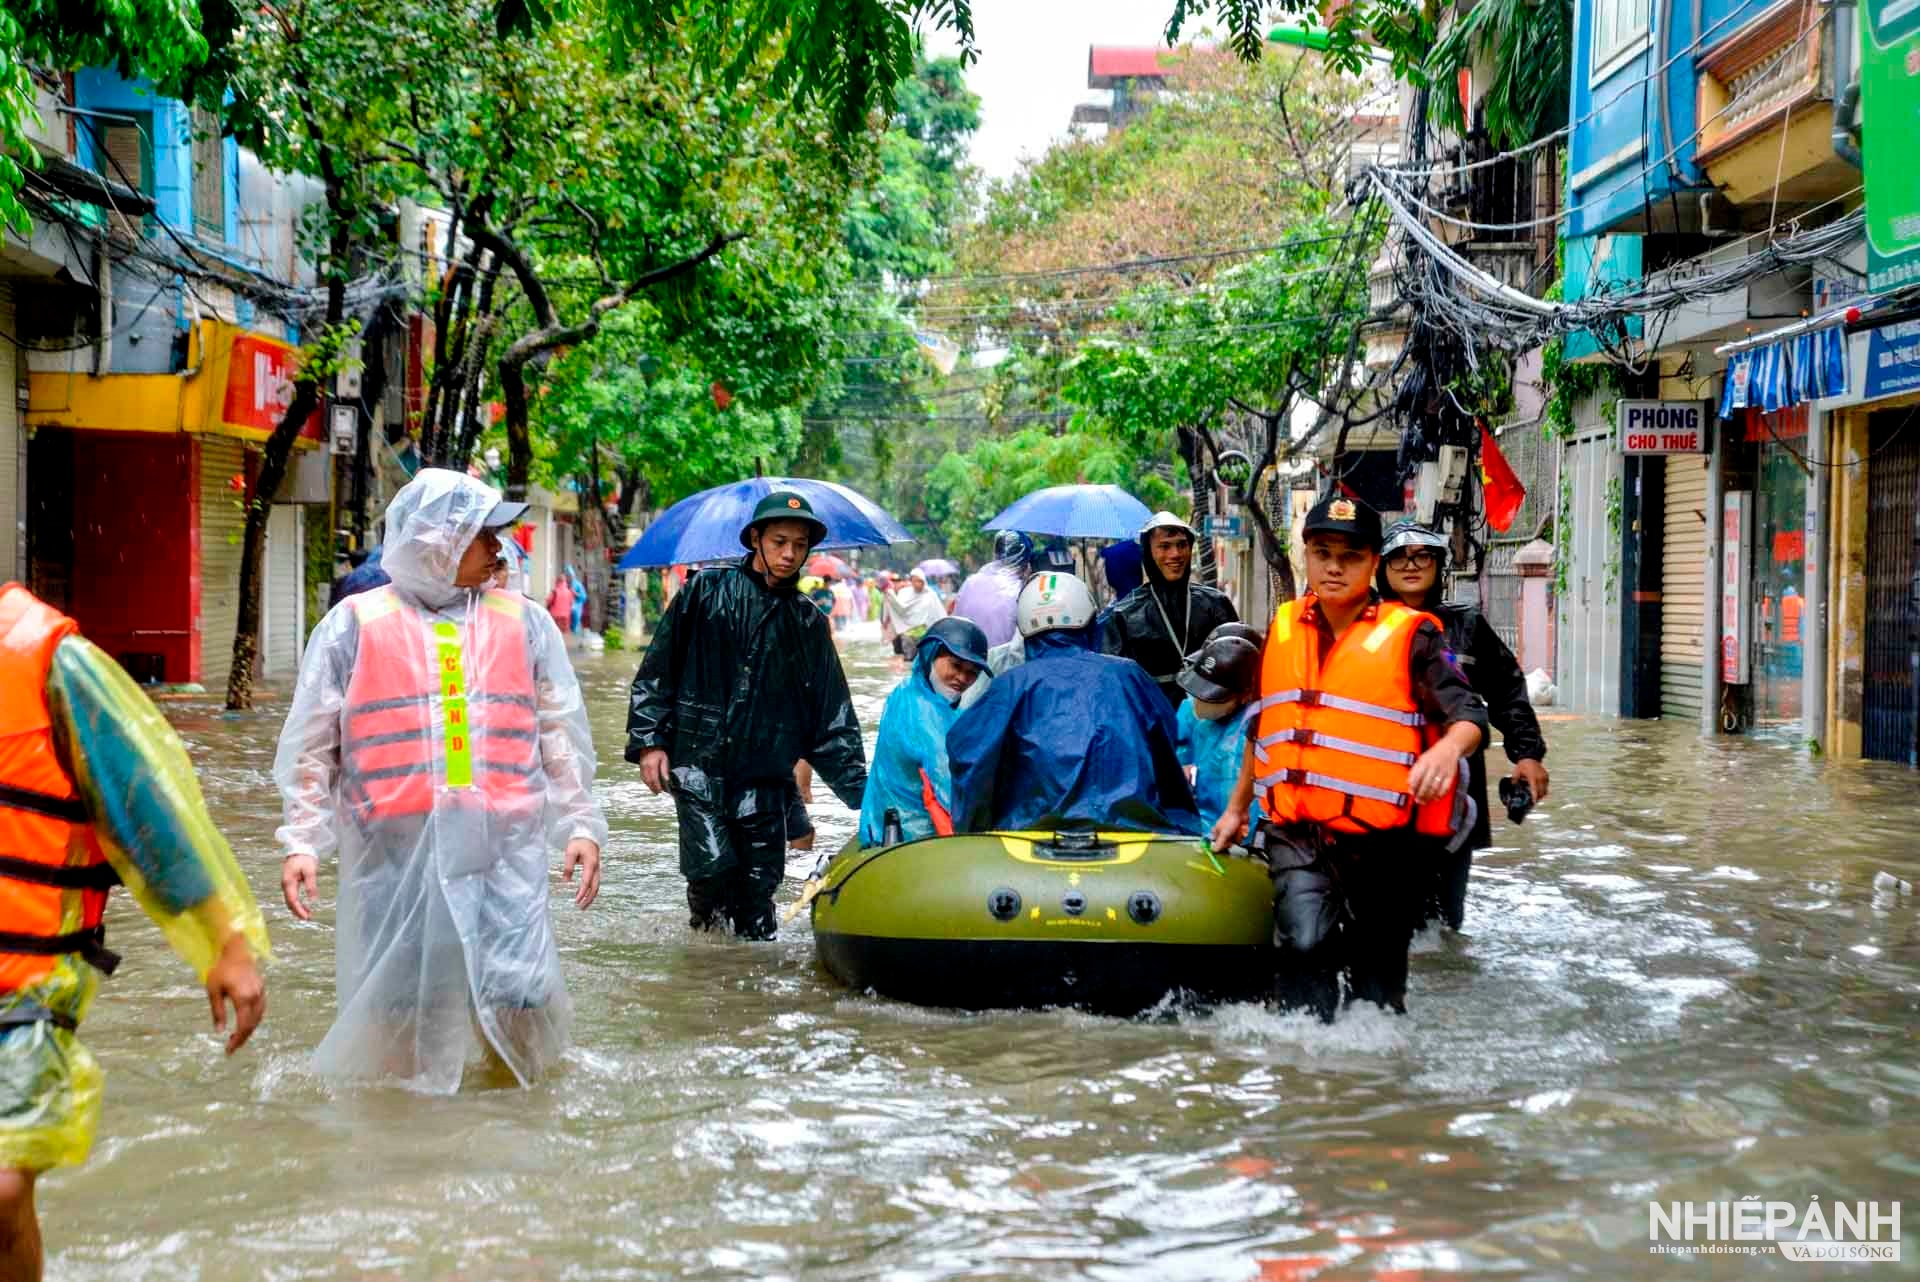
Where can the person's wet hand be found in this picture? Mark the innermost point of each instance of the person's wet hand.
(654, 770)
(300, 883)
(1229, 828)
(235, 979)
(1534, 774)
(1430, 776)
(584, 855)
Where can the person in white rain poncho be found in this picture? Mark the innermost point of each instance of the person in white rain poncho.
(438, 743)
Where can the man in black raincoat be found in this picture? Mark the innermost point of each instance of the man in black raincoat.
(1168, 616)
(741, 682)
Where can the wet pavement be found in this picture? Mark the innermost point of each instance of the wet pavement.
(1690, 975)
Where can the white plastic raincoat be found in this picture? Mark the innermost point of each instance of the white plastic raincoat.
(443, 838)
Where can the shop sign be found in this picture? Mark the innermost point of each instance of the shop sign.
(1890, 91)
(1736, 594)
(1893, 360)
(1662, 427)
(1226, 527)
(260, 387)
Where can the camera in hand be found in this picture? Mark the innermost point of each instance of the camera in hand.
(1517, 797)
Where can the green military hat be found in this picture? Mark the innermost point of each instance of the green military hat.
(785, 505)
(1336, 513)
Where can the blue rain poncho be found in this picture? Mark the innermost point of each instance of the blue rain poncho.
(913, 738)
(443, 946)
(1215, 750)
(1070, 738)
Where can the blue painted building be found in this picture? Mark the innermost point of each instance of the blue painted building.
(152, 354)
(1698, 131)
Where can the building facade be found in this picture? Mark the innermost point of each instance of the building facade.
(150, 359)
(1766, 562)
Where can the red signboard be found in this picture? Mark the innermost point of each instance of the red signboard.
(260, 387)
(1783, 425)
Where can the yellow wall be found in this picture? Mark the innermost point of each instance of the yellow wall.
(188, 402)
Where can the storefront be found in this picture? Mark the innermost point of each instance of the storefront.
(136, 506)
(1778, 564)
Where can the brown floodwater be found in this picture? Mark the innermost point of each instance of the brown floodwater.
(1690, 975)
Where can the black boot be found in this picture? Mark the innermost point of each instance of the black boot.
(706, 902)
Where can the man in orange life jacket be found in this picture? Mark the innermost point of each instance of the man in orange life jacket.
(1358, 750)
(438, 742)
(95, 791)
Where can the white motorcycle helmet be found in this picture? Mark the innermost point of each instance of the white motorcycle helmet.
(1051, 602)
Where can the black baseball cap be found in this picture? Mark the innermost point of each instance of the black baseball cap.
(1335, 513)
(503, 514)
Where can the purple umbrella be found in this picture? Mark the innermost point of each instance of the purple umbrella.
(938, 568)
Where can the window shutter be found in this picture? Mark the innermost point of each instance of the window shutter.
(209, 179)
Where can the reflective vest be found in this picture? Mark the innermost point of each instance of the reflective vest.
(54, 876)
(401, 753)
(1335, 738)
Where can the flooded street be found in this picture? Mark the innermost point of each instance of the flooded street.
(1680, 981)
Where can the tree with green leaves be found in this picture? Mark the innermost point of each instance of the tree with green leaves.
(1231, 365)
(965, 490)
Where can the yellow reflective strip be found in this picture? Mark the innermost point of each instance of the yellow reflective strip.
(1385, 628)
(502, 602)
(453, 693)
(1283, 623)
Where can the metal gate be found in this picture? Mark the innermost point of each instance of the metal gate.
(1889, 721)
(1587, 541)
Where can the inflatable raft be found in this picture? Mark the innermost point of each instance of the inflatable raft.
(1107, 922)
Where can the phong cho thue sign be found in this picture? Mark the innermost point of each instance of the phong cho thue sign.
(1662, 427)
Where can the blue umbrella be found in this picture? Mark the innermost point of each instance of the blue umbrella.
(1075, 512)
(707, 526)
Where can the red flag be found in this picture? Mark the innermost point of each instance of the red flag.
(721, 396)
(1504, 492)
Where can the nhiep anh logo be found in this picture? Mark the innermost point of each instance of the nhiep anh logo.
(1837, 1233)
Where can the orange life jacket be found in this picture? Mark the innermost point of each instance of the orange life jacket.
(400, 753)
(1335, 737)
(54, 876)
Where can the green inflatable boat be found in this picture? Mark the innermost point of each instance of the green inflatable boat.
(1110, 922)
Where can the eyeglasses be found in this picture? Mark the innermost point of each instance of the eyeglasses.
(1413, 558)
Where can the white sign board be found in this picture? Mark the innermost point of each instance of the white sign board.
(1736, 595)
(344, 425)
(1662, 427)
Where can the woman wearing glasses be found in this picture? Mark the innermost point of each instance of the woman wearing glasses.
(1413, 568)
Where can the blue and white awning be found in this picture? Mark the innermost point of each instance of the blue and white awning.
(1786, 372)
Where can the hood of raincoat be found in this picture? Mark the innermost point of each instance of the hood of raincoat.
(429, 525)
(912, 740)
(1069, 739)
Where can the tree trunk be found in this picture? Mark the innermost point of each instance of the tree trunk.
(279, 447)
(373, 390)
(513, 390)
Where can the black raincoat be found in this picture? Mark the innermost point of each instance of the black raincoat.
(1495, 676)
(740, 683)
(1159, 624)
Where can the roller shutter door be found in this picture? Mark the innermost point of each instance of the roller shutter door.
(280, 602)
(223, 523)
(1683, 587)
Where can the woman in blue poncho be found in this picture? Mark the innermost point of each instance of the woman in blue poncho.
(909, 774)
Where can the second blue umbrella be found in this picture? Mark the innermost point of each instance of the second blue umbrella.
(1075, 512)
